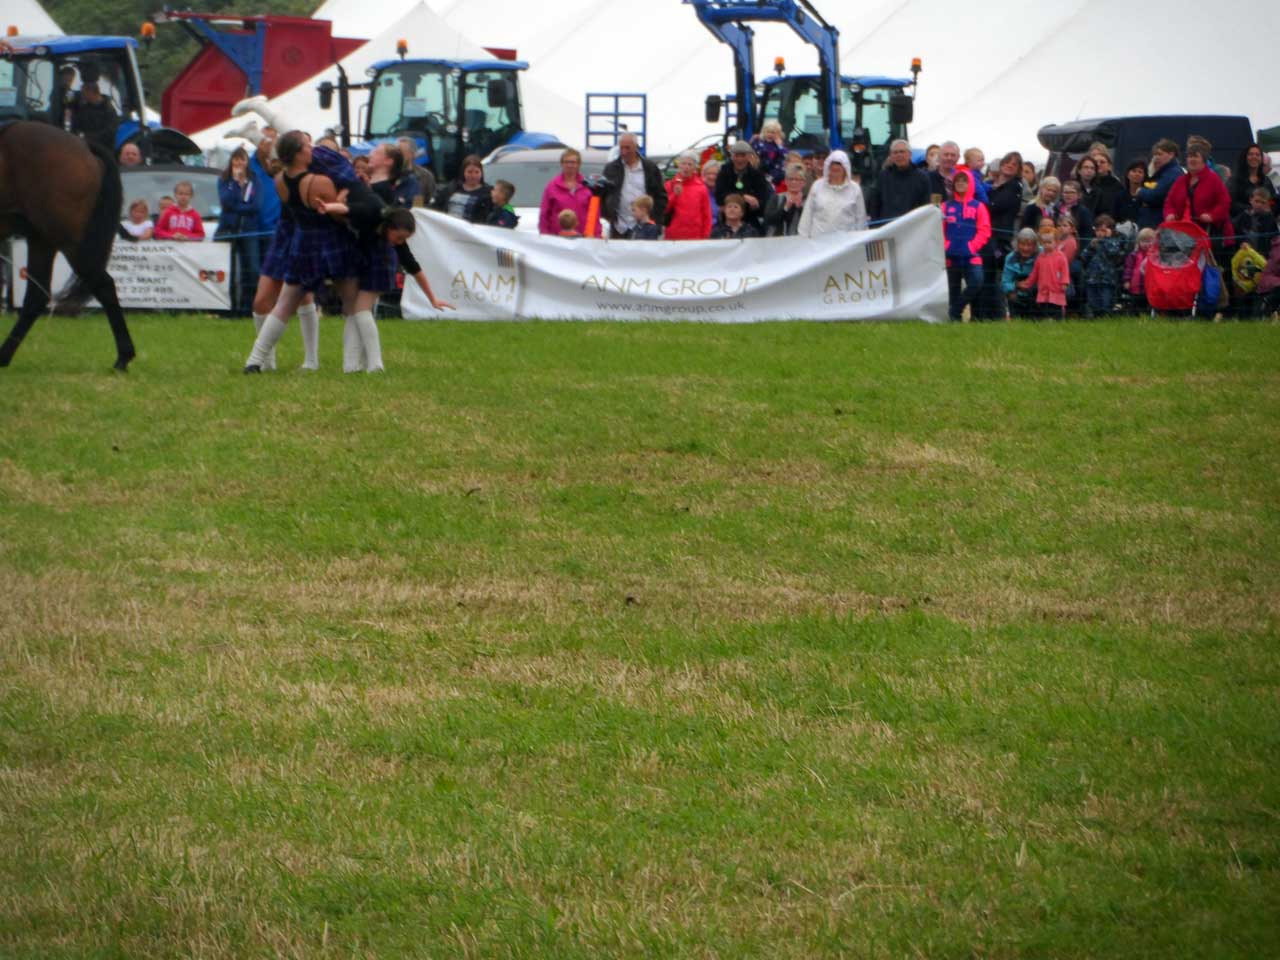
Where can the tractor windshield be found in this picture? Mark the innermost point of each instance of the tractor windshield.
(87, 89)
(412, 98)
(873, 116)
(796, 104)
(490, 110)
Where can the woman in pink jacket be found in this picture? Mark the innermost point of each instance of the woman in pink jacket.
(569, 191)
(688, 211)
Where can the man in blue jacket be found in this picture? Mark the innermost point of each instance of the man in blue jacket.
(1152, 193)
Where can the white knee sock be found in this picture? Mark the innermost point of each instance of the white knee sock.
(272, 329)
(369, 340)
(257, 328)
(352, 348)
(309, 321)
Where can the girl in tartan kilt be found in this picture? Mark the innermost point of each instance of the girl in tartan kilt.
(382, 233)
(317, 249)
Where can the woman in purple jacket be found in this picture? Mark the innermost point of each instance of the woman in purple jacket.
(569, 191)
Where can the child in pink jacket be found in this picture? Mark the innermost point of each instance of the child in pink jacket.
(966, 228)
(1051, 276)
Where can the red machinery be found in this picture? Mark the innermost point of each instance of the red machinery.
(245, 55)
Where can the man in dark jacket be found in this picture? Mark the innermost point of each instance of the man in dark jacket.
(95, 118)
(740, 176)
(901, 187)
(628, 178)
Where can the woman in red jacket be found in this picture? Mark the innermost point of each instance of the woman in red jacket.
(1200, 196)
(688, 209)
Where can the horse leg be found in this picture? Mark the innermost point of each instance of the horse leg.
(104, 291)
(39, 278)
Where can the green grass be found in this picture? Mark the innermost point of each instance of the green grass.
(643, 640)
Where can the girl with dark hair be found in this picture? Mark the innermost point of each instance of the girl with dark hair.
(382, 231)
(389, 169)
(318, 249)
(467, 197)
(1247, 177)
(238, 225)
(275, 262)
(1086, 175)
(1128, 207)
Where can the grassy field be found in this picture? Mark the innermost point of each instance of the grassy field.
(782, 641)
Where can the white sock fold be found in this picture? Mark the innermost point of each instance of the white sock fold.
(272, 329)
(368, 330)
(352, 348)
(258, 319)
(309, 322)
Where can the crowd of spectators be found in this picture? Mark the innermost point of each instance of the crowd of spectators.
(1093, 232)
(1017, 243)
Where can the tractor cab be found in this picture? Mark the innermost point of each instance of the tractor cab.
(90, 86)
(874, 111)
(455, 108)
(43, 78)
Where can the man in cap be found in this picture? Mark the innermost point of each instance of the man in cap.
(745, 177)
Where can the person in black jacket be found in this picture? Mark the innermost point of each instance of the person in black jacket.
(1004, 201)
(742, 177)
(1247, 177)
(627, 179)
(1128, 207)
(900, 187)
(1111, 190)
(95, 117)
(467, 197)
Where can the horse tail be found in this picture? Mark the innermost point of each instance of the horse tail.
(94, 249)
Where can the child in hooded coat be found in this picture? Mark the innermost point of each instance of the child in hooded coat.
(966, 228)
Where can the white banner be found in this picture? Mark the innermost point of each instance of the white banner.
(896, 272)
(152, 274)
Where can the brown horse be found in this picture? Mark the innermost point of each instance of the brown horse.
(64, 196)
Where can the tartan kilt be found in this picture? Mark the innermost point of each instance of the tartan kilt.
(276, 259)
(377, 267)
(320, 251)
(335, 166)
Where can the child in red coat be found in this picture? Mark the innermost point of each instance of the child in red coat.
(688, 209)
(181, 221)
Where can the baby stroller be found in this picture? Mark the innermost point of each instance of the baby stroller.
(1176, 266)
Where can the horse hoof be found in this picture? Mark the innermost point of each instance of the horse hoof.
(252, 368)
(122, 364)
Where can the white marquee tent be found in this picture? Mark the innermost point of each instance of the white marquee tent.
(29, 17)
(428, 36)
(991, 83)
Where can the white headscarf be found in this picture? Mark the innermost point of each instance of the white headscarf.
(842, 158)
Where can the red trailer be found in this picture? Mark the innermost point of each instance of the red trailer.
(242, 56)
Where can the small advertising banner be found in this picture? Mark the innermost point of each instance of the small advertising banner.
(896, 272)
(152, 274)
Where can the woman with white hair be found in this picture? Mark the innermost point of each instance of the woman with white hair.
(835, 203)
(771, 148)
(688, 207)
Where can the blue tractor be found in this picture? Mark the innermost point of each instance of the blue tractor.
(91, 86)
(861, 115)
(452, 108)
